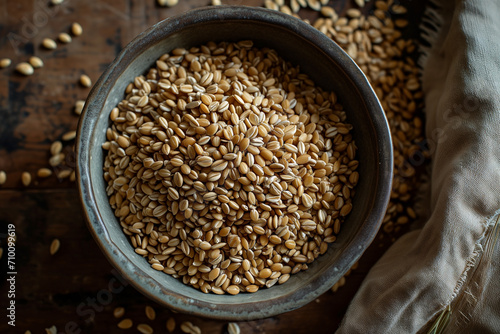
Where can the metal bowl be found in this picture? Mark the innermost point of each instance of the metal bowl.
(329, 66)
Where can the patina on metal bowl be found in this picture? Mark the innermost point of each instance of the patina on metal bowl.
(329, 67)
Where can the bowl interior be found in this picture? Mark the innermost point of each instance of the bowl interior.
(329, 67)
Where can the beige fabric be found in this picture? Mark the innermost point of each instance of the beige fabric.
(428, 268)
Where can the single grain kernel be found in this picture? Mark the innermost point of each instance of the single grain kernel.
(5, 62)
(190, 328)
(36, 62)
(167, 3)
(26, 178)
(85, 80)
(233, 289)
(44, 172)
(125, 324)
(49, 44)
(79, 107)
(233, 328)
(54, 246)
(170, 324)
(64, 38)
(3, 177)
(51, 330)
(70, 135)
(56, 148)
(76, 29)
(150, 313)
(25, 68)
(145, 329)
(118, 312)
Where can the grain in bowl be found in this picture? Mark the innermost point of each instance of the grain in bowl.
(228, 168)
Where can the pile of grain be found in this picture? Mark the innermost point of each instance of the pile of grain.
(229, 168)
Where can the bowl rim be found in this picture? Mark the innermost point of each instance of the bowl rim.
(100, 90)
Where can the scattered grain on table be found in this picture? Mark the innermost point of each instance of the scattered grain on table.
(118, 312)
(329, 12)
(145, 329)
(64, 38)
(25, 68)
(189, 328)
(56, 147)
(376, 43)
(167, 3)
(125, 324)
(36, 62)
(54, 246)
(339, 284)
(44, 172)
(65, 173)
(26, 178)
(150, 313)
(49, 43)
(70, 135)
(56, 159)
(76, 29)
(360, 3)
(51, 330)
(342, 280)
(233, 328)
(79, 107)
(5, 62)
(85, 80)
(72, 176)
(170, 324)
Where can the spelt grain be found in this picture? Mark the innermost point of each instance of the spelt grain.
(167, 3)
(233, 328)
(51, 330)
(49, 44)
(79, 107)
(25, 68)
(240, 158)
(118, 312)
(170, 324)
(150, 313)
(76, 29)
(64, 38)
(44, 172)
(189, 328)
(85, 80)
(54, 246)
(35, 62)
(26, 178)
(125, 324)
(5, 62)
(145, 329)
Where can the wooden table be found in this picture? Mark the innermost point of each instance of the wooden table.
(68, 289)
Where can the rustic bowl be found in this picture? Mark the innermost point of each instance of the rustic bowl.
(329, 66)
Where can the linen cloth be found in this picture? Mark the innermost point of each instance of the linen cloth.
(443, 262)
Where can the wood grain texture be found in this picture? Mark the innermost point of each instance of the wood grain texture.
(76, 289)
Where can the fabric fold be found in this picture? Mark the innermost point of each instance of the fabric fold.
(425, 270)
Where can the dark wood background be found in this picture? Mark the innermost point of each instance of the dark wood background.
(35, 111)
